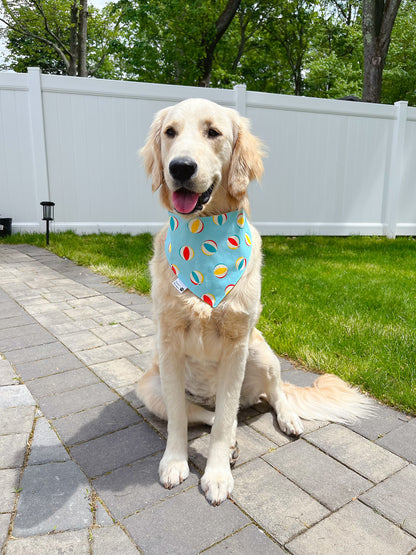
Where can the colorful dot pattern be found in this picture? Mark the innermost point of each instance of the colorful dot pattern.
(209, 254)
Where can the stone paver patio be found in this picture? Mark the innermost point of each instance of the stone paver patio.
(79, 453)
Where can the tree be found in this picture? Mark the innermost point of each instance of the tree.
(55, 35)
(378, 18)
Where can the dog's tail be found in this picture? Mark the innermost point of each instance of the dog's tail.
(329, 398)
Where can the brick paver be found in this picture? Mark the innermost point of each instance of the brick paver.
(79, 453)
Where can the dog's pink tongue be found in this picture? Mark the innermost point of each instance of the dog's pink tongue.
(184, 201)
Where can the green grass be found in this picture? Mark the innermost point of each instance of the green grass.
(341, 305)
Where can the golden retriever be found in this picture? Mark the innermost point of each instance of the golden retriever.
(202, 156)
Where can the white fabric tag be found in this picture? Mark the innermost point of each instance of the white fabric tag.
(181, 287)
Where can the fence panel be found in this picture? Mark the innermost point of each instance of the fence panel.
(332, 168)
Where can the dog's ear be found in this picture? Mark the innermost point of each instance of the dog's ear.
(151, 151)
(246, 160)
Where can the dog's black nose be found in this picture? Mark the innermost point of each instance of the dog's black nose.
(182, 169)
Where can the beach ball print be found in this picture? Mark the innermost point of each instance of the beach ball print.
(229, 288)
(241, 220)
(209, 299)
(220, 271)
(241, 263)
(173, 223)
(187, 253)
(175, 269)
(209, 247)
(196, 277)
(247, 239)
(196, 225)
(220, 219)
(233, 242)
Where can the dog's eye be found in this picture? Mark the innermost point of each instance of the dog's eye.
(212, 133)
(170, 132)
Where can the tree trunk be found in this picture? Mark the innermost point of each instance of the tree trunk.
(82, 39)
(378, 20)
(73, 48)
(221, 25)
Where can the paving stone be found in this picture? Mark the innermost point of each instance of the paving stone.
(402, 441)
(251, 445)
(9, 480)
(142, 327)
(395, 498)
(102, 518)
(10, 310)
(129, 394)
(81, 340)
(4, 527)
(69, 326)
(63, 543)
(48, 366)
(113, 334)
(46, 446)
(106, 353)
(128, 299)
(381, 423)
(353, 529)
(19, 331)
(305, 465)
(76, 400)
(117, 449)
(16, 420)
(278, 505)
(110, 540)
(117, 373)
(144, 344)
(299, 377)
(84, 313)
(205, 524)
(7, 375)
(41, 337)
(143, 360)
(58, 383)
(95, 422)
(12, 450)
(57, 317)
(15, 396)
(358, 453)
(20, 320)
(267, 425)
(53, 499)
(31, 354)
(248, 540)
(136, 487)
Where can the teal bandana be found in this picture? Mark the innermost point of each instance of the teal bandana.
(208, 255)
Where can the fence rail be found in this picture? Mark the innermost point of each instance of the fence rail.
(333, 168)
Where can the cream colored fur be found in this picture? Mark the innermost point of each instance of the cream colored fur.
(218, 353)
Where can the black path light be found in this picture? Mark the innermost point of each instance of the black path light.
(48, 215)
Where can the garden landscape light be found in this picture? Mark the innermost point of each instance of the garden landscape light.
(48, 215)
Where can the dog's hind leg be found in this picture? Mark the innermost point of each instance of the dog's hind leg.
(263, 378)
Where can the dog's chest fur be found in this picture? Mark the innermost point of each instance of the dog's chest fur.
(201, 334)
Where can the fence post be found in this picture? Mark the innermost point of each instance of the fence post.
(40, 161)
(394, 178)
(240, 99)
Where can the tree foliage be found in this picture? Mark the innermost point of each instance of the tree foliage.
(308, 47)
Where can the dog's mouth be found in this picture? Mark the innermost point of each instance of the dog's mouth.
(187, 202)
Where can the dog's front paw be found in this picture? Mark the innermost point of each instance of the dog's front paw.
(290, 423)
(173, 471)
(217, 484)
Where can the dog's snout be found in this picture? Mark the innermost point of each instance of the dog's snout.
(182, 169)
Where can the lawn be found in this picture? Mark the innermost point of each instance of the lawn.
(341, 305)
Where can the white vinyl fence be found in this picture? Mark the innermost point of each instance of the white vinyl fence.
(333, 167)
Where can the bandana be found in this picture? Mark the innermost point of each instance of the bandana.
(208, 255)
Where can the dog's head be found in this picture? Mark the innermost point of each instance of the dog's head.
(203, 157)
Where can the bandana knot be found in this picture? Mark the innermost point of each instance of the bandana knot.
(209, 254)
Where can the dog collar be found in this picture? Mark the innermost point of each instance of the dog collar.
(208, 255)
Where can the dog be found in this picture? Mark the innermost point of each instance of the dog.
(210, 359)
